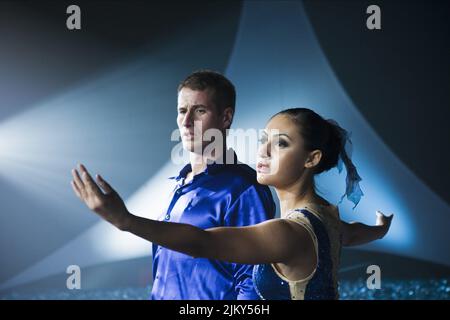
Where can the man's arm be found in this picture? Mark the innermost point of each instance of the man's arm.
(356, 233)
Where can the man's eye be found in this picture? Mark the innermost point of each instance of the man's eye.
(201, 111)
(262, 140)
(181, 111)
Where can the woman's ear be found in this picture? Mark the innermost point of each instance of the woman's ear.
(227, 117)
(313, 159)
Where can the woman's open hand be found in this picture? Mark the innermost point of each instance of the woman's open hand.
(103, 200)
(384, 222)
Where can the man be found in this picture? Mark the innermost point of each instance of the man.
(210, 191)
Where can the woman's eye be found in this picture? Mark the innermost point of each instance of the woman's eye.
(282, 144)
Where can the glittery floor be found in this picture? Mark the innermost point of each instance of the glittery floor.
(435, 289)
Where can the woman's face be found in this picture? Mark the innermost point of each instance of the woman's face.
(282, 158)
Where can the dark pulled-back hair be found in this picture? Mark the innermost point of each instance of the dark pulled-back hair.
(332, 140)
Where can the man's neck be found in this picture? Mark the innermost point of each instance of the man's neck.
(199, 162)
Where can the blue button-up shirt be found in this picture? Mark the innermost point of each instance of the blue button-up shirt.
(222, 195)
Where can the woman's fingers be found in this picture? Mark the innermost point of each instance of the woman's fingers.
(381, 214)
(383, 220)
(104, 185)
(90, 185)
(77, 180)
(75, 189)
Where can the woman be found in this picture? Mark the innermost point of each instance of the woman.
(296, 256)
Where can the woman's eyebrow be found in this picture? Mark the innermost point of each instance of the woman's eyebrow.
(283, 134)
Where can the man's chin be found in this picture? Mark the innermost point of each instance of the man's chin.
(191, 146)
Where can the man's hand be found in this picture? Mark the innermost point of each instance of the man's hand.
(384, 222)
(106, 202)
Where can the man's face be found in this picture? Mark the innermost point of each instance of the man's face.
(197, 108)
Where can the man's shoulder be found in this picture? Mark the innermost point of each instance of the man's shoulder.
(251, 194)
(243, 177)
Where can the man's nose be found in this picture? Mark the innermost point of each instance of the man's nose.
(188, 119)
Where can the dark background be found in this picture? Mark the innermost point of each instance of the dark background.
(398, 78)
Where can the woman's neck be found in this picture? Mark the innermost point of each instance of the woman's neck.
(297, 196)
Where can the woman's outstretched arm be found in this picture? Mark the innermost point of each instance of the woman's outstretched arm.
(272, 241)
(357, 233)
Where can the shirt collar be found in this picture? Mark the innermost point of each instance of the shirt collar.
(212, 166)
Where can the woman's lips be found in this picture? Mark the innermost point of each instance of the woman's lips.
(262, 167)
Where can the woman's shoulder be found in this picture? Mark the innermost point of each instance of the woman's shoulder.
(316, 216)
(321, 211)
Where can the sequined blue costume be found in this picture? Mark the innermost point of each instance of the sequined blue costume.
(323, 225)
